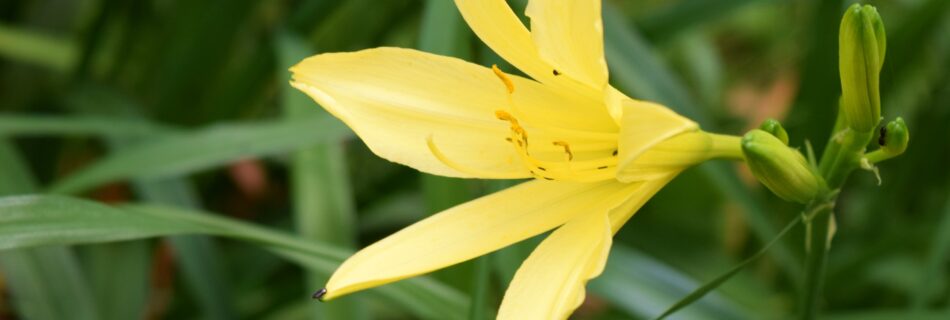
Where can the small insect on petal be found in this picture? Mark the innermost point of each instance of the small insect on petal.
(319, 294)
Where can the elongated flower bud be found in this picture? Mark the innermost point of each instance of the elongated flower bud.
(894, 137)
(780, 168)
(862, 45)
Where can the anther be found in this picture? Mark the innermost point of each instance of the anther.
(504, 79)
(319, 294)
(567, 149)
(504, 115)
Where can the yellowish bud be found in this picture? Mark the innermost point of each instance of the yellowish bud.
(782, 169)
(862, 43)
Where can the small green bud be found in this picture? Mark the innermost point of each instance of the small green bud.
(775, 128)
(894, 137)
(862, 45)
(782, 169)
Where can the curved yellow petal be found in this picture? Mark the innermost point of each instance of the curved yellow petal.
(569, 35)
(500, 29)
(550, 283)
(643, 125)
(473, 229)
(433, 113)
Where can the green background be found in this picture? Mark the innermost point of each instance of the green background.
(183, 109)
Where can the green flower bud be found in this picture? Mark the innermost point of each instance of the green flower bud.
(775, 128)
(862, 44)
(782, 169)
(894, 137)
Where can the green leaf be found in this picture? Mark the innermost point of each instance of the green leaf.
(29, 221)
(47, 283)
(197, 256)
(186, 153)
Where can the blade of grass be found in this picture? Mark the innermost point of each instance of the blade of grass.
(36, 48)
(46, 283)
(322, 196)
(29, 221)
(197, 256)
(714, 283)
(638, 71)
(182, 154)
(119, 274)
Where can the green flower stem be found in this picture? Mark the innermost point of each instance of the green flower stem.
(842, 156)
(819, 222)
(726, 147)
(876, 156)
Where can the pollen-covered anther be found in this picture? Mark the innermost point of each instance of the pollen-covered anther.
(510, 86)
(519, 132)
(567, 149)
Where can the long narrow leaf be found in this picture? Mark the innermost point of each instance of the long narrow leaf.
(29, 221)
(182, 154)
(46, 283)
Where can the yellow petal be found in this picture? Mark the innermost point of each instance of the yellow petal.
(500, 29)
(569, 35)
(414, 108)
(550, 283)
(643, 125)
(473, 229)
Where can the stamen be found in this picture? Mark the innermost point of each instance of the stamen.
(567, 149)
(515, 127)
(504, 79)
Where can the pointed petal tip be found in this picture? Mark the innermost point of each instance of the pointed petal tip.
(319, 294)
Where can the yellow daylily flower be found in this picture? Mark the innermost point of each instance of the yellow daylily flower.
(594, 155)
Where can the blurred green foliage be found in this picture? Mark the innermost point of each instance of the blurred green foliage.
(182, 108)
